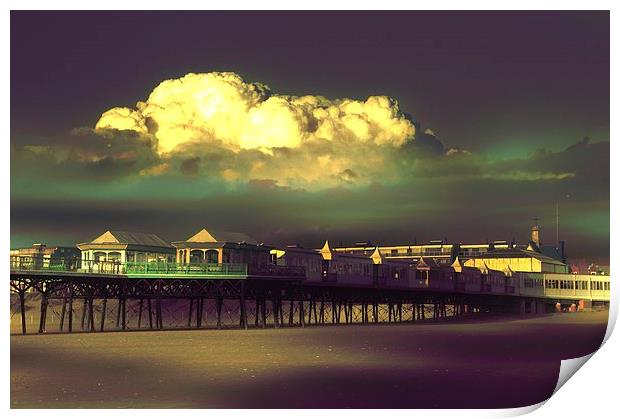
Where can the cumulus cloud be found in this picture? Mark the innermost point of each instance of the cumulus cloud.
(245, 131)
(222, 133)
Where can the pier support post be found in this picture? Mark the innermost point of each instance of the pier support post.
(43, 315)
(71, 312)
(91, 314)
(140, 306)
(150, 308)
(350, 312)
(159, 315)
(276, 314)
(219, 302)
(263, 311)
(22, 309)
(118, 312)
(243, 321)
(63, 312)
(256, 310)
(84, 308)
(124, 314)
(199, 312)
(291, 312)
(103, 312)
(302, 321)
(189, 316)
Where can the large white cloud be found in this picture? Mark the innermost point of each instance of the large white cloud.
(222, 108)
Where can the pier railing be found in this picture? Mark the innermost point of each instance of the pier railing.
(113, 267)
(277, 271)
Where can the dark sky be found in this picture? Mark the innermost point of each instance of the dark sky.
(502, 85)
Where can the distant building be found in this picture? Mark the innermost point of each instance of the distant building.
(41, 256)
(500, 254)
(210, 246)
(517, 260)
(442, 253)
(126, 246)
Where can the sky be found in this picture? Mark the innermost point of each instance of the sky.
(296, 127)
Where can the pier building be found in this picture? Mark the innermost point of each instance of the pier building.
(126, 246)
(222, 247)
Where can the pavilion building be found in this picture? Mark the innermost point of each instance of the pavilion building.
(41, 256)
(517, 260)
(125, 246)
(210, 246)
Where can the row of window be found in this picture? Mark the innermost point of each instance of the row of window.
(578, 285)
(424, 252)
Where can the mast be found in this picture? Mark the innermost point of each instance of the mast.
(557, 223)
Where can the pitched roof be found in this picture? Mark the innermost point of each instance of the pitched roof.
(551, 251)
(517, 253)
(129, 237)
(326, 251)
(376, 256)
(209, 236)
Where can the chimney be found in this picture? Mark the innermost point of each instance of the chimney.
(562, 251)
(536, 232)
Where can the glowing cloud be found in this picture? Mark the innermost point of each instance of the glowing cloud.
(223, 110)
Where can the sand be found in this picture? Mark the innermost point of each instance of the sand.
(485, 363)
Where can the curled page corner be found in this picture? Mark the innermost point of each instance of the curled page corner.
(518, 411)
(568, 368)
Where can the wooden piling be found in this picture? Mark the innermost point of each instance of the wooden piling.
(91, 314)
(84, 308)
(103, 313)
(191, 308)
(263, 305)
(243, 320)
(150, 308)
(219, 302)
(22, 309)
(124, 314)
(140, 306)
(118, 312)
(302, 321)
(256, 310)
(43, 314)
(276, 314)
(63, 312)
(71, 312)
(291, 312)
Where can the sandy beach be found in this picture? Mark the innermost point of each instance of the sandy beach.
(484, 363)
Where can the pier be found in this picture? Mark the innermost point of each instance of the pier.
(111, 295)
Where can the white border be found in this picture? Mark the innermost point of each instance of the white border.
(591, 393)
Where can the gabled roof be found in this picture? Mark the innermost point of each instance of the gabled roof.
(517, 253)
(484, 269)
(551, 251)
(376, 257)
(457, 265)
(212, 236)
(326, 251)
(129, 237)
(421, 264)
(508, 271)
